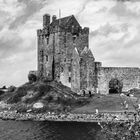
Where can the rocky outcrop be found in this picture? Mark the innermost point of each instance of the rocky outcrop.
(53, 96)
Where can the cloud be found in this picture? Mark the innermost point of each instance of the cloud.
(30, 7)
(17, 58)
(121, 10)
(104, 30)
(114, 32)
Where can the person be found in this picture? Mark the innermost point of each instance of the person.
(90, 93)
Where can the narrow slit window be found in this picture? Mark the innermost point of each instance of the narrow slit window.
(62, 69)
(74, 38)
(47, 40)
(47, 58)
(69, 79)
(69, 68)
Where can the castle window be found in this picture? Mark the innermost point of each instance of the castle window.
(74, 38)
(81, 60)
(47, 58)
(69, 79)
(41, 52)
(65, 60)
(47, 40)
(62, 69)
(69, 68)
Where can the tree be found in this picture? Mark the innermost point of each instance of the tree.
(11, 89)
(32, 78)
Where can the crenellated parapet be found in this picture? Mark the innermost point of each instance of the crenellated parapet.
(46, 20)
(85, 30)
(44, 31)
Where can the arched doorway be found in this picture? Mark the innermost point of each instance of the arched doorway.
(115, 86)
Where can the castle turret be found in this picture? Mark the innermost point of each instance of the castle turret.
(46, 20)
(54, 18)
(60, 44)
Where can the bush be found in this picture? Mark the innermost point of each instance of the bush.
(21, 91)
(1, 92)
(32, 78)
(4, 87)
(11, 89)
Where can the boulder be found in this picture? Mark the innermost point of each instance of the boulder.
(38, 105)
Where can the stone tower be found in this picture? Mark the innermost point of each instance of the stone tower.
(60, 46)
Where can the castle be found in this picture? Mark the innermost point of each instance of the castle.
(64, 55)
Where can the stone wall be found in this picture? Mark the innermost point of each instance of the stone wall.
(75, 74)
(129, 76)
(65, 44)
(45, 54)
(91, 74)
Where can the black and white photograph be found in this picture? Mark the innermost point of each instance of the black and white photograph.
(69, 69)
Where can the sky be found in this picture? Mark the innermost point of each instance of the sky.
(114, 32)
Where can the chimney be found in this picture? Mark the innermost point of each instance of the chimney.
(54, 18)
(46, 20)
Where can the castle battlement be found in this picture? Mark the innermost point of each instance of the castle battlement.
(60, 25)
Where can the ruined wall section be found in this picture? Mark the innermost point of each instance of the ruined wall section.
(40, 53)
(48, 56)
(98, 66)
(83, 73)
(82, 39)
(91, 81)
(87, 70)
(129, 76)
(66, 48)
(75, 76)
(45, 53)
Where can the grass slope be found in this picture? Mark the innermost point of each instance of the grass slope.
(108, 103)
(57, 97)
(54, 96)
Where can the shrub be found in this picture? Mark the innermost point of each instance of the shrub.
(32, 78)
(4, 87)
(11, 89)
(21, 91)
(1, 92)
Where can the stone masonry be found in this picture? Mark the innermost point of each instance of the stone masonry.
(64, 56)
(130, 77)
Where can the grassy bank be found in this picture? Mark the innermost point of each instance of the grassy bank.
(53, 96)
(58, 98)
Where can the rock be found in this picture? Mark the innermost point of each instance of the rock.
(38, 105)
(29, 110)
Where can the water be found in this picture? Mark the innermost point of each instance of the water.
(29, 130)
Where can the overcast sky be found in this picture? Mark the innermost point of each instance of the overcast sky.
(114, 32)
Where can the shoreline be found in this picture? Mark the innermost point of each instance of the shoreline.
(66, 117)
